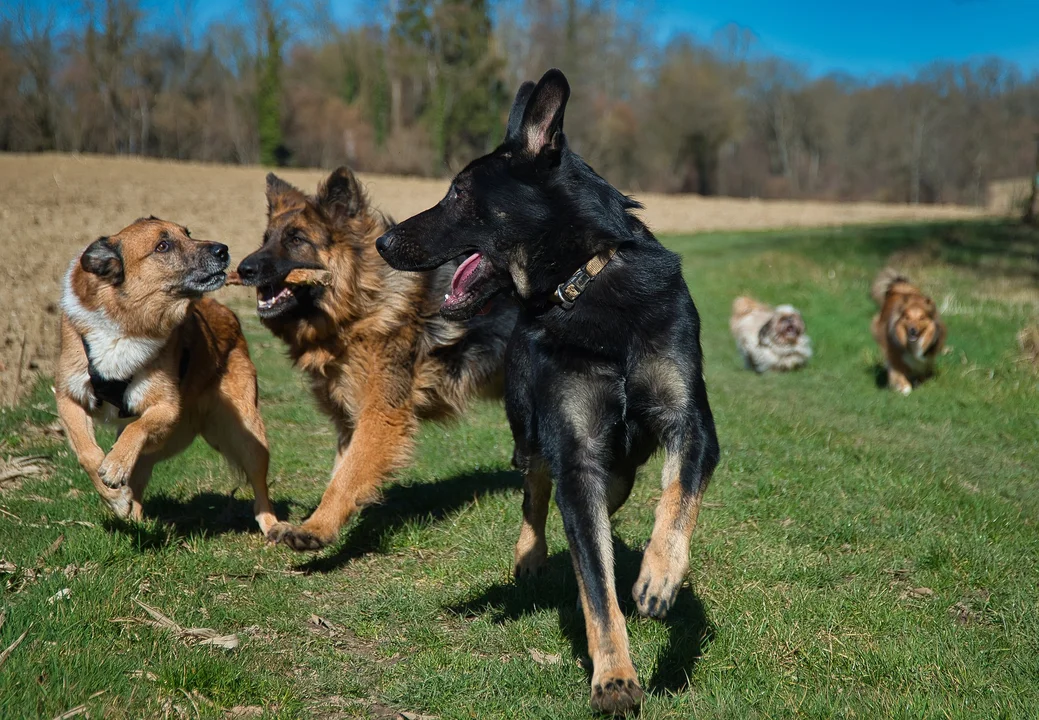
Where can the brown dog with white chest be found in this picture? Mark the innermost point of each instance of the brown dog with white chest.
(908, 329)
(141, 348)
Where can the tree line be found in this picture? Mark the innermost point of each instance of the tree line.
(421, 86)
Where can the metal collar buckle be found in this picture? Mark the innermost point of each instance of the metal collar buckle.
(567, 293)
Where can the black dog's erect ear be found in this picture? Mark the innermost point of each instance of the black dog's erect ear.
(519, 105)
(103, 259)
(542, 127)
(341, 195)
(278, 191)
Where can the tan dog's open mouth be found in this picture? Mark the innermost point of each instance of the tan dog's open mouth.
(272, 300)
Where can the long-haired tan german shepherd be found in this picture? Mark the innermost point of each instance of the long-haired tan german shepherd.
(379, 355)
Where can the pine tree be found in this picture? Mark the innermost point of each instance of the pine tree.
(269, 95)
(468, 97)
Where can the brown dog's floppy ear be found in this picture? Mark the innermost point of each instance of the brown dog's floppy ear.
(103, 259)
(341, 196)
(279, 192)
(542, 127)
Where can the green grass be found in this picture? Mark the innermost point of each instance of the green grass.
(833, 502)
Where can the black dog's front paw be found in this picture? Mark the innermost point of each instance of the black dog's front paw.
(617, 696)
(654, 596)
(529, 562)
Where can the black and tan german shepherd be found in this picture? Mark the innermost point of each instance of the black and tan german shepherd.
(603, 368)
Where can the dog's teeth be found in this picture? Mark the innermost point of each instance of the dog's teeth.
(447, 296)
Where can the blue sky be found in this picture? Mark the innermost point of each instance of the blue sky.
(871, 36)
(868, 37)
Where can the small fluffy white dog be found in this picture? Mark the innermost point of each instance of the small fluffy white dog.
(769, 338)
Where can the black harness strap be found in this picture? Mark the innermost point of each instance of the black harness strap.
(113, 392)
(105, 390)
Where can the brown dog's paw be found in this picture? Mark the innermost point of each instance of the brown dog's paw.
(114, 471)
(122, 505)
(619, 695)
(298, 538)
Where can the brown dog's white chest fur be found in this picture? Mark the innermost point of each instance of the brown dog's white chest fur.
(114, 354)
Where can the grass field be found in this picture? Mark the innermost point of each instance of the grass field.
(861, 554)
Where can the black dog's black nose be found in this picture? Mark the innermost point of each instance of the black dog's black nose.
(382, 245)
(219, 251)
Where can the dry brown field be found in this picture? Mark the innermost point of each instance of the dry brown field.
(51, 206)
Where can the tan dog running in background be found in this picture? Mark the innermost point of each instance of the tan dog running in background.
(907, 328)
(769, 338)
(141, 347)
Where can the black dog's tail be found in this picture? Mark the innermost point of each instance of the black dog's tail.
(885, 279)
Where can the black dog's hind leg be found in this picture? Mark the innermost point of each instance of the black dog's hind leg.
(621, 483)
(581, 496)
(689, 463)
(531, 548)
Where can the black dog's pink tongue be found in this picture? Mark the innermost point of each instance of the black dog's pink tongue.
(464, 273)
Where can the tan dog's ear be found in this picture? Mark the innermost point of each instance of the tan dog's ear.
(103, 259)
(341, 195)
(280, 192)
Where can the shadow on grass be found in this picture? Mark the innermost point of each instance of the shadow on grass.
(207, 514)
(879, 373)
(556, 586)
(403, 504)
(988, 248)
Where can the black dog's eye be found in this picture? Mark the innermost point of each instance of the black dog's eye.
(295, 240)
(163, 246)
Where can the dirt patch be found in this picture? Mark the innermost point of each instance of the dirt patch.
(52, 206)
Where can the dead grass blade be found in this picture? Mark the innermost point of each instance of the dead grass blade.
(50, 550)
(79, 709)
(74, 712)
(17, 468)
(405, 715)
(204, 636)
(227, 642)
(543, 658)
(318, 624)
(10, 649)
